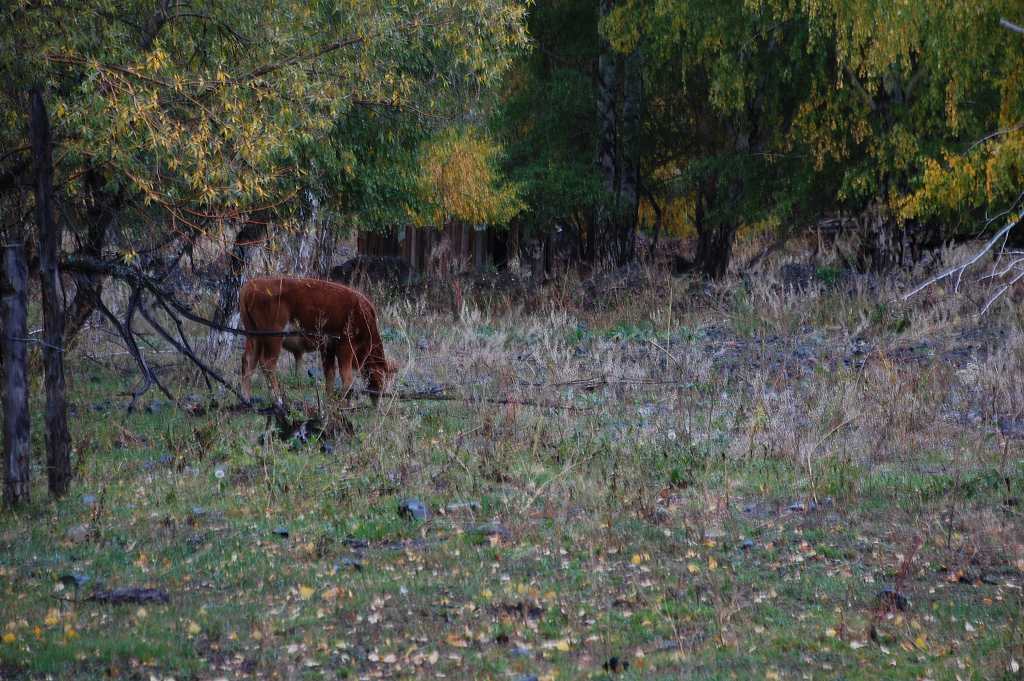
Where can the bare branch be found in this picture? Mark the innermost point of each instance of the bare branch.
(1005, 23)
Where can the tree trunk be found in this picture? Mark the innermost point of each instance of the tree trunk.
(628, 201)
(14, 294)
(607, 140)
(714, 240)
(249, 235)
(88, 287)
(58, 441)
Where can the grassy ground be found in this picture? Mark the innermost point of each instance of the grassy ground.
(740, 482)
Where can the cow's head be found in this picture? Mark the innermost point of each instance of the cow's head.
(380, 377)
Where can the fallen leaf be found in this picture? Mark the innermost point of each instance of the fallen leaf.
(52, 617)
(306, 592)
(456, 641)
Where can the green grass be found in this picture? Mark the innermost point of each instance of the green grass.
(677, 554)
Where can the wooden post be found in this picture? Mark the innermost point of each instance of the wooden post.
(14, 294)
(58, 440)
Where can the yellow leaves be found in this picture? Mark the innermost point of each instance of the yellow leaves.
(460, 179)
(456, 640)
(156, 59)
(693, 568)
(9, 637)
(712, 564)
(52, 617)
(306, 592)
(639, 558)
(562, 645)
(193, 628)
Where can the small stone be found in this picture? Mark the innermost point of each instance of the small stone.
(349, 563)
(413, 509)
(88, 499)
(889, 596)
(198, 511)
(78, 533)
(457, 506)
(281, 531)
(154, 407)
(520, 651)
(73, 580)
(615, 665)
(797, 507)
(747, 544)
(494, 529)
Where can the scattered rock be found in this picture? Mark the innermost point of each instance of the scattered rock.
(353, 543)
(747, 544)
(457, 506)
(131, 594)
(74, 580)
(797, 507)
(890, 597)
(413, 509)
(88, 499)
(494, 529)
(78, 533)
(349, 563)
(615, 665)
(527, 677)
(520, 651)
(155, 407)
(281, 531)
(194, 541)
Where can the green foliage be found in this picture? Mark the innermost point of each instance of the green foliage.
(207, 112)
(547, 118)
(460, 179)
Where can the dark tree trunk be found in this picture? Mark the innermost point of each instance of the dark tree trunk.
(58, 441)
(251, 234)
(89, 287)
(628, 201)
(607, 141)
(714, 239)
(14, 294)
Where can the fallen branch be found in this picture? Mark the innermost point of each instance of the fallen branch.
(1014, 219)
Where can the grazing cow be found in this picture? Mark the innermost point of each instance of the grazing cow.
(340, 321)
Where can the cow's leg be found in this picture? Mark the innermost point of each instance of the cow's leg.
(248, 366)
(270, 350)
(346, 359)
(328, 361)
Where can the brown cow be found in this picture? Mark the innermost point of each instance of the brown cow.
(340, 321)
